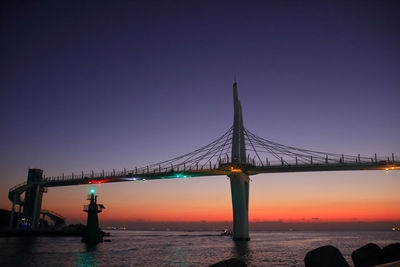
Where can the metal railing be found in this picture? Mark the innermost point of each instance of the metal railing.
(345, 159)
(17, 186)
(45, 211)
(181, 167)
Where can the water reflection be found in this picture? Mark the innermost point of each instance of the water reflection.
(90, 247)
(24, 250)
(241, 250)
(87, 259)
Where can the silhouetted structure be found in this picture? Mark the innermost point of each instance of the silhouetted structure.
(93, 233)
(224, 156)
(32, 203)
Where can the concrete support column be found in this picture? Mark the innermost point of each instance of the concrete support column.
(240, 204)
(36, 208)
(42, 220)
(12, 214)
(19, 215)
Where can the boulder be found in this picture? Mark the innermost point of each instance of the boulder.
(368, 255)
(326, 256)
(233, 262)
(390, 253)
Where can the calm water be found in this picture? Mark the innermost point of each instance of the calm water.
(157, 248)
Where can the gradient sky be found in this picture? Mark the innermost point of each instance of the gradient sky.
(117, 84)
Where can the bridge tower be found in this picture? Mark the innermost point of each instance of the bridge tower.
(33, 199)
(93, 233)
(239, 179)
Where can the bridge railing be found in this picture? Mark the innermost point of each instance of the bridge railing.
(45, 211)
(137, 171)
(322, 161)
(182, 167)
(17, 186)
(317, 160)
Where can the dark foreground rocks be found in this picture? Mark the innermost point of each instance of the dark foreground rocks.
(366, 256)
(391, 253)
(234, 262)
(326, 256)
(371, 255)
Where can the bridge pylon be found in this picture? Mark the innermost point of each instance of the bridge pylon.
(239, 179)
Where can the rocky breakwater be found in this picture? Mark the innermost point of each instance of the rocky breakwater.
(366, 256)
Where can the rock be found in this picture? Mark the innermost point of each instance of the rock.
(326, 256)
(234, 262)
(368, 255)
(390, 264)
(390, 253)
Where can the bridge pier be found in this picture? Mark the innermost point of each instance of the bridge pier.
(240, 204)
(19, 215)
(12, 214)
(37, 207)
(33, 199)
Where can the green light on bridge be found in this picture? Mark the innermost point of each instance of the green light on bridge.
(177, 175)
(180, 175)
(92, 191)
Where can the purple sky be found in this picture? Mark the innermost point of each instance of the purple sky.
(112, 84)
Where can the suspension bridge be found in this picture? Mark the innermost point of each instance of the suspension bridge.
(238, 153)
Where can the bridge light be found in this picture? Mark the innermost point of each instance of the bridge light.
(235, 170)
(92, 191)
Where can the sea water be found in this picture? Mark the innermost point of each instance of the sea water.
(170, 248)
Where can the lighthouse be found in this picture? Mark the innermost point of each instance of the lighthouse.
(93, 234)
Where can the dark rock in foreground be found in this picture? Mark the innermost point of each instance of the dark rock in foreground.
(368, 255)
(234, 262)
(390, 253)
(326, 256)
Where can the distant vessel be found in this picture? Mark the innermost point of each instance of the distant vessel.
(226, 232)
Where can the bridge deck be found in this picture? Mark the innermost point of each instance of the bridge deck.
(222, 169)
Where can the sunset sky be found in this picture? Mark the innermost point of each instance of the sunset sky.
(116, 84)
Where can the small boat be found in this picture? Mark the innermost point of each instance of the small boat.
(226, 232)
